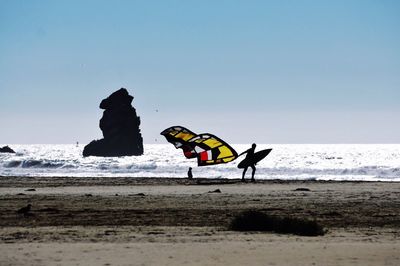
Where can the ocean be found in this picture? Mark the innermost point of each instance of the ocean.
(352, 162)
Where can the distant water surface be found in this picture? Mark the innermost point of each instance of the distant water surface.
(363, 162)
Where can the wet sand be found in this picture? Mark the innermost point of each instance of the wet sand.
(160, 221)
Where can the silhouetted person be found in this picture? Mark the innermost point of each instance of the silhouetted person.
(25, 210)
(190, 175)
(251, 163)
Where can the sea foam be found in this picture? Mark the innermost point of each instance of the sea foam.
(360, 162)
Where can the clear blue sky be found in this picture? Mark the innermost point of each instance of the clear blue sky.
(248, 71)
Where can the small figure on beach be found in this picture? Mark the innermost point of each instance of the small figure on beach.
(250, 162)
(190, 174)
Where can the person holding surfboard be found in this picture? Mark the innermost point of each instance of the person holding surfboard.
(249, 162)
(252, 158)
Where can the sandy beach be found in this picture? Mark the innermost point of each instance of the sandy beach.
(163, 221)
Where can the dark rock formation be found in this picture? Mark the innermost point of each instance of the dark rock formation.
(7, 149)
(120, 126)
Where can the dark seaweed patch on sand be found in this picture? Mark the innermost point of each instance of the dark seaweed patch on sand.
(259, 221)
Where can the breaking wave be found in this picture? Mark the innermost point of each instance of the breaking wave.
(315, 162)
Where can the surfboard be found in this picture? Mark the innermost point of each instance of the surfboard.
(258, 156)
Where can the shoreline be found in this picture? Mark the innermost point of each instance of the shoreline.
(55, 181)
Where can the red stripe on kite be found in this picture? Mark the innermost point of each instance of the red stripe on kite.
(204, 156)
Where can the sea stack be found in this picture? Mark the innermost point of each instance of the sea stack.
(120, 127)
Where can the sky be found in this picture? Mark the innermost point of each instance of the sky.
(248, 71)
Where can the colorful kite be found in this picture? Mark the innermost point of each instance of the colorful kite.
(208, 149)
(179, 137)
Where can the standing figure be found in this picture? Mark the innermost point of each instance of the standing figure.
(190, 175)
(249, 162)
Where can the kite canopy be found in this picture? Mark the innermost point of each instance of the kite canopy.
(179, 137)
(208, 149)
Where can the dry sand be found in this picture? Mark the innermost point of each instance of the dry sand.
(159, 221)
